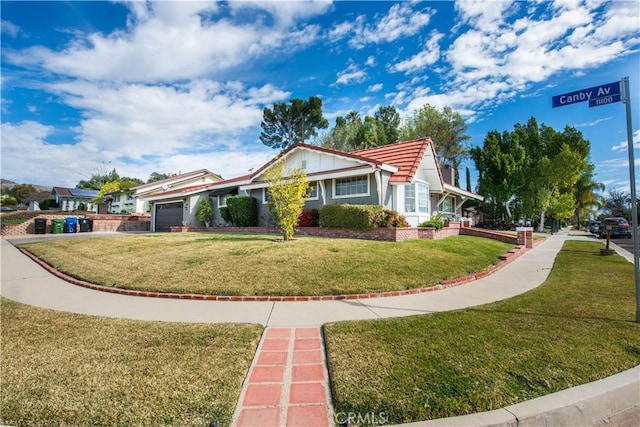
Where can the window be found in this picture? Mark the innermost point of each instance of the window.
(313, 191)
(416, 196)
(410, 198)
(265, 195)
(222, 200)
(352, 186)
(447, 205)
(423, 198)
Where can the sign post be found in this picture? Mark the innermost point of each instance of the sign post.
(603, 95)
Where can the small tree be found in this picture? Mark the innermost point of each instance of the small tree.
(204, 213)
(286, 196)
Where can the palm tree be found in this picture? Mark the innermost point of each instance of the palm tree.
(586, 193)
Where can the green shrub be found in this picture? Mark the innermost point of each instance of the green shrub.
(438, 225)
(224, 213)
(204, 213)
(243, 211)
(389, 218)
(359, 217)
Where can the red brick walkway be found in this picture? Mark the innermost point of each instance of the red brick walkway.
(288, 382)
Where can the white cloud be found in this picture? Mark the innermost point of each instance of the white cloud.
(375, 88)
(9, 28)
(428, 56)
(371, 61)
(498, 55)
(135, 120)
(592, 123)
(622, 145)
(28, 157)
(286, 12)
(171, 41)
(352, 74)
(402, 20)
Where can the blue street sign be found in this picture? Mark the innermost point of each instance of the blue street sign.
(598, 95)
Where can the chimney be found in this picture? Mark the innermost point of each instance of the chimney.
(448, 175)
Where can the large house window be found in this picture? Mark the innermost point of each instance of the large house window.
(352, 186)
(416, 198)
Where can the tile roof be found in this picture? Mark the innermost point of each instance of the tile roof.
(407, 156)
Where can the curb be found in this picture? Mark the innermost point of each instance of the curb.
(582, 405)
(449, 283)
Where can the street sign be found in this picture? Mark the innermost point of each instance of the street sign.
(597, 95)
(609, 99)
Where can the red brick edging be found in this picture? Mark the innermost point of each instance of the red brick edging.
(449, 283)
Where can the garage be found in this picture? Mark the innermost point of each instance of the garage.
(167, 215)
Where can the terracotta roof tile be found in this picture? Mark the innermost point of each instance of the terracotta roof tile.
(406, 156)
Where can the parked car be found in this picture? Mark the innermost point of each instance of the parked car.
(619, 227)
(593, 227)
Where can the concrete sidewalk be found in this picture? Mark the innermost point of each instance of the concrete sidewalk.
(25, 281)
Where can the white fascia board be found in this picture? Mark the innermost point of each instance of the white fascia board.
(460, 192)
(388, 168)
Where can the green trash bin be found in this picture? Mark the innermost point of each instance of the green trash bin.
(57, 226)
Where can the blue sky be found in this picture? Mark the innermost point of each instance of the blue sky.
(177, 86)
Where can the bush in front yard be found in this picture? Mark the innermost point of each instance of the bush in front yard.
(309, 218)
(389, 218)
(438, 225)
(358, 217)
(225, 214)
(243, 211)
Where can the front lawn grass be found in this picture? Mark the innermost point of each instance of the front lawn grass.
(576, 328)
(70, 369)
(244, 264)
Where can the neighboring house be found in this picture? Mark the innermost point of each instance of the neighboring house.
(405, 177)
(70, 199)
(174, 200)
(120, 202)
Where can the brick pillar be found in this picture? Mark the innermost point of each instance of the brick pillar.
(525, 237)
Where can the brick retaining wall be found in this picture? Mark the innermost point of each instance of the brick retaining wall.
(479, 232)
(100, 223)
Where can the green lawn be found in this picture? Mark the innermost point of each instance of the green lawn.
(576, 328)
(243, 264)
(69, 369)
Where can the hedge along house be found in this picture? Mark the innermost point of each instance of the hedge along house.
(173, 201)
(405, 177)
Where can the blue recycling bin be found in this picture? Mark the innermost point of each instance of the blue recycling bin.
(70, 224)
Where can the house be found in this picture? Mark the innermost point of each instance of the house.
(72, 199)
(405, 177)
(172, 201)
(120, 202)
